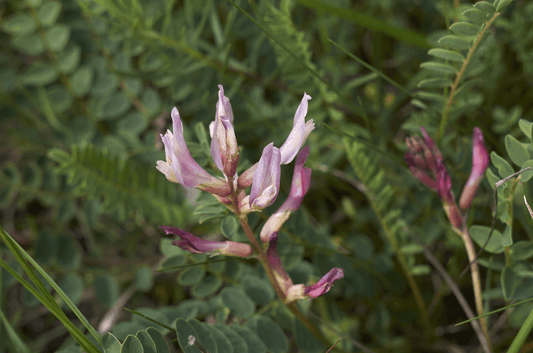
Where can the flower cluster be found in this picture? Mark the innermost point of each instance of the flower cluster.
(263, 178)
(427, 165)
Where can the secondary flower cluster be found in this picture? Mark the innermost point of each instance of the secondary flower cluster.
(427, 165)
(263, 177)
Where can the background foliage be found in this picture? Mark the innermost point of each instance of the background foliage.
(87, 86)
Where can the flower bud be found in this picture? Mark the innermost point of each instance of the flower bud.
(246, 178)
(480, 163)
(424, 160)
(224, 147)
(197, 245)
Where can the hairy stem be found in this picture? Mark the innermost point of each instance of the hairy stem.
(460, 74)
(476, 281)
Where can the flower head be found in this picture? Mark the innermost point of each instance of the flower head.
(266, 179)
(480, 163)
(194, 244)
(299, 187)
(427, 165)
(424, 160)
(224, 147)
(180, 167)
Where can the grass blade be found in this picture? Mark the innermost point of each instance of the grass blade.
(12, 336)
(54, 309)
(373, 69)
(369, 22)
(387, 154)
(46, 298)
(494, 311)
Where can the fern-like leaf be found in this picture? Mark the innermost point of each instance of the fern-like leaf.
(123, 185)
(456, 56)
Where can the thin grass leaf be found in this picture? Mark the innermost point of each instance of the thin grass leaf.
(373, 69)
(521, 336)
(494, 311)
(389, 155)
(370, 22)
(149, 319)
(20, 254)
(12, 336)
(190, 265)
(52, 307)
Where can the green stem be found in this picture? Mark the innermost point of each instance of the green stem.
(261, 255)
(522, 334)
(476, 281)
(507, 249)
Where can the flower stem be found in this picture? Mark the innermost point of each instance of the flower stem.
(261, 254)
(476, 282)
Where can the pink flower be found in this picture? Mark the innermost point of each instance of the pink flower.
(247, 177)
(324, 284)
(292, 145)
(224, 147)
(480, 163)
(444, 183)
(266, 179)
(299, 187)
(299, 132)
(194, 244)
(427, 165)
(181, 168)
(424, 160)
(300, 291)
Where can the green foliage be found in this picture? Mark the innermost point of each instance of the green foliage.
(124, 186)
(457, 62)
(87, 87)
